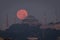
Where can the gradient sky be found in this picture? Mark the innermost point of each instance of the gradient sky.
(37, 8)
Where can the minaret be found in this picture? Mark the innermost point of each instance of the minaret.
(44, 21)
(7, 20)
(55, 15)
(14, 20)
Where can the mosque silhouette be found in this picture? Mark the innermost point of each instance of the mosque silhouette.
(30, 27)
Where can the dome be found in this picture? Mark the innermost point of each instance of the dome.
(30, 19)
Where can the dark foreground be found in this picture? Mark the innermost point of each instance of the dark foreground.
(23, 31)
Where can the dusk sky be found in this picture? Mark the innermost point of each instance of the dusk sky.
(36, 8)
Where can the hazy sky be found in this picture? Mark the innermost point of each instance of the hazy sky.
(37, 8)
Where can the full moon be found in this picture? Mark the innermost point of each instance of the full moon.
(22, 14)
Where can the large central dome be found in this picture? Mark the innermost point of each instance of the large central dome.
(30, 18)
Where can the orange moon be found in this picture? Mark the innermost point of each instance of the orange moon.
(22, 14)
